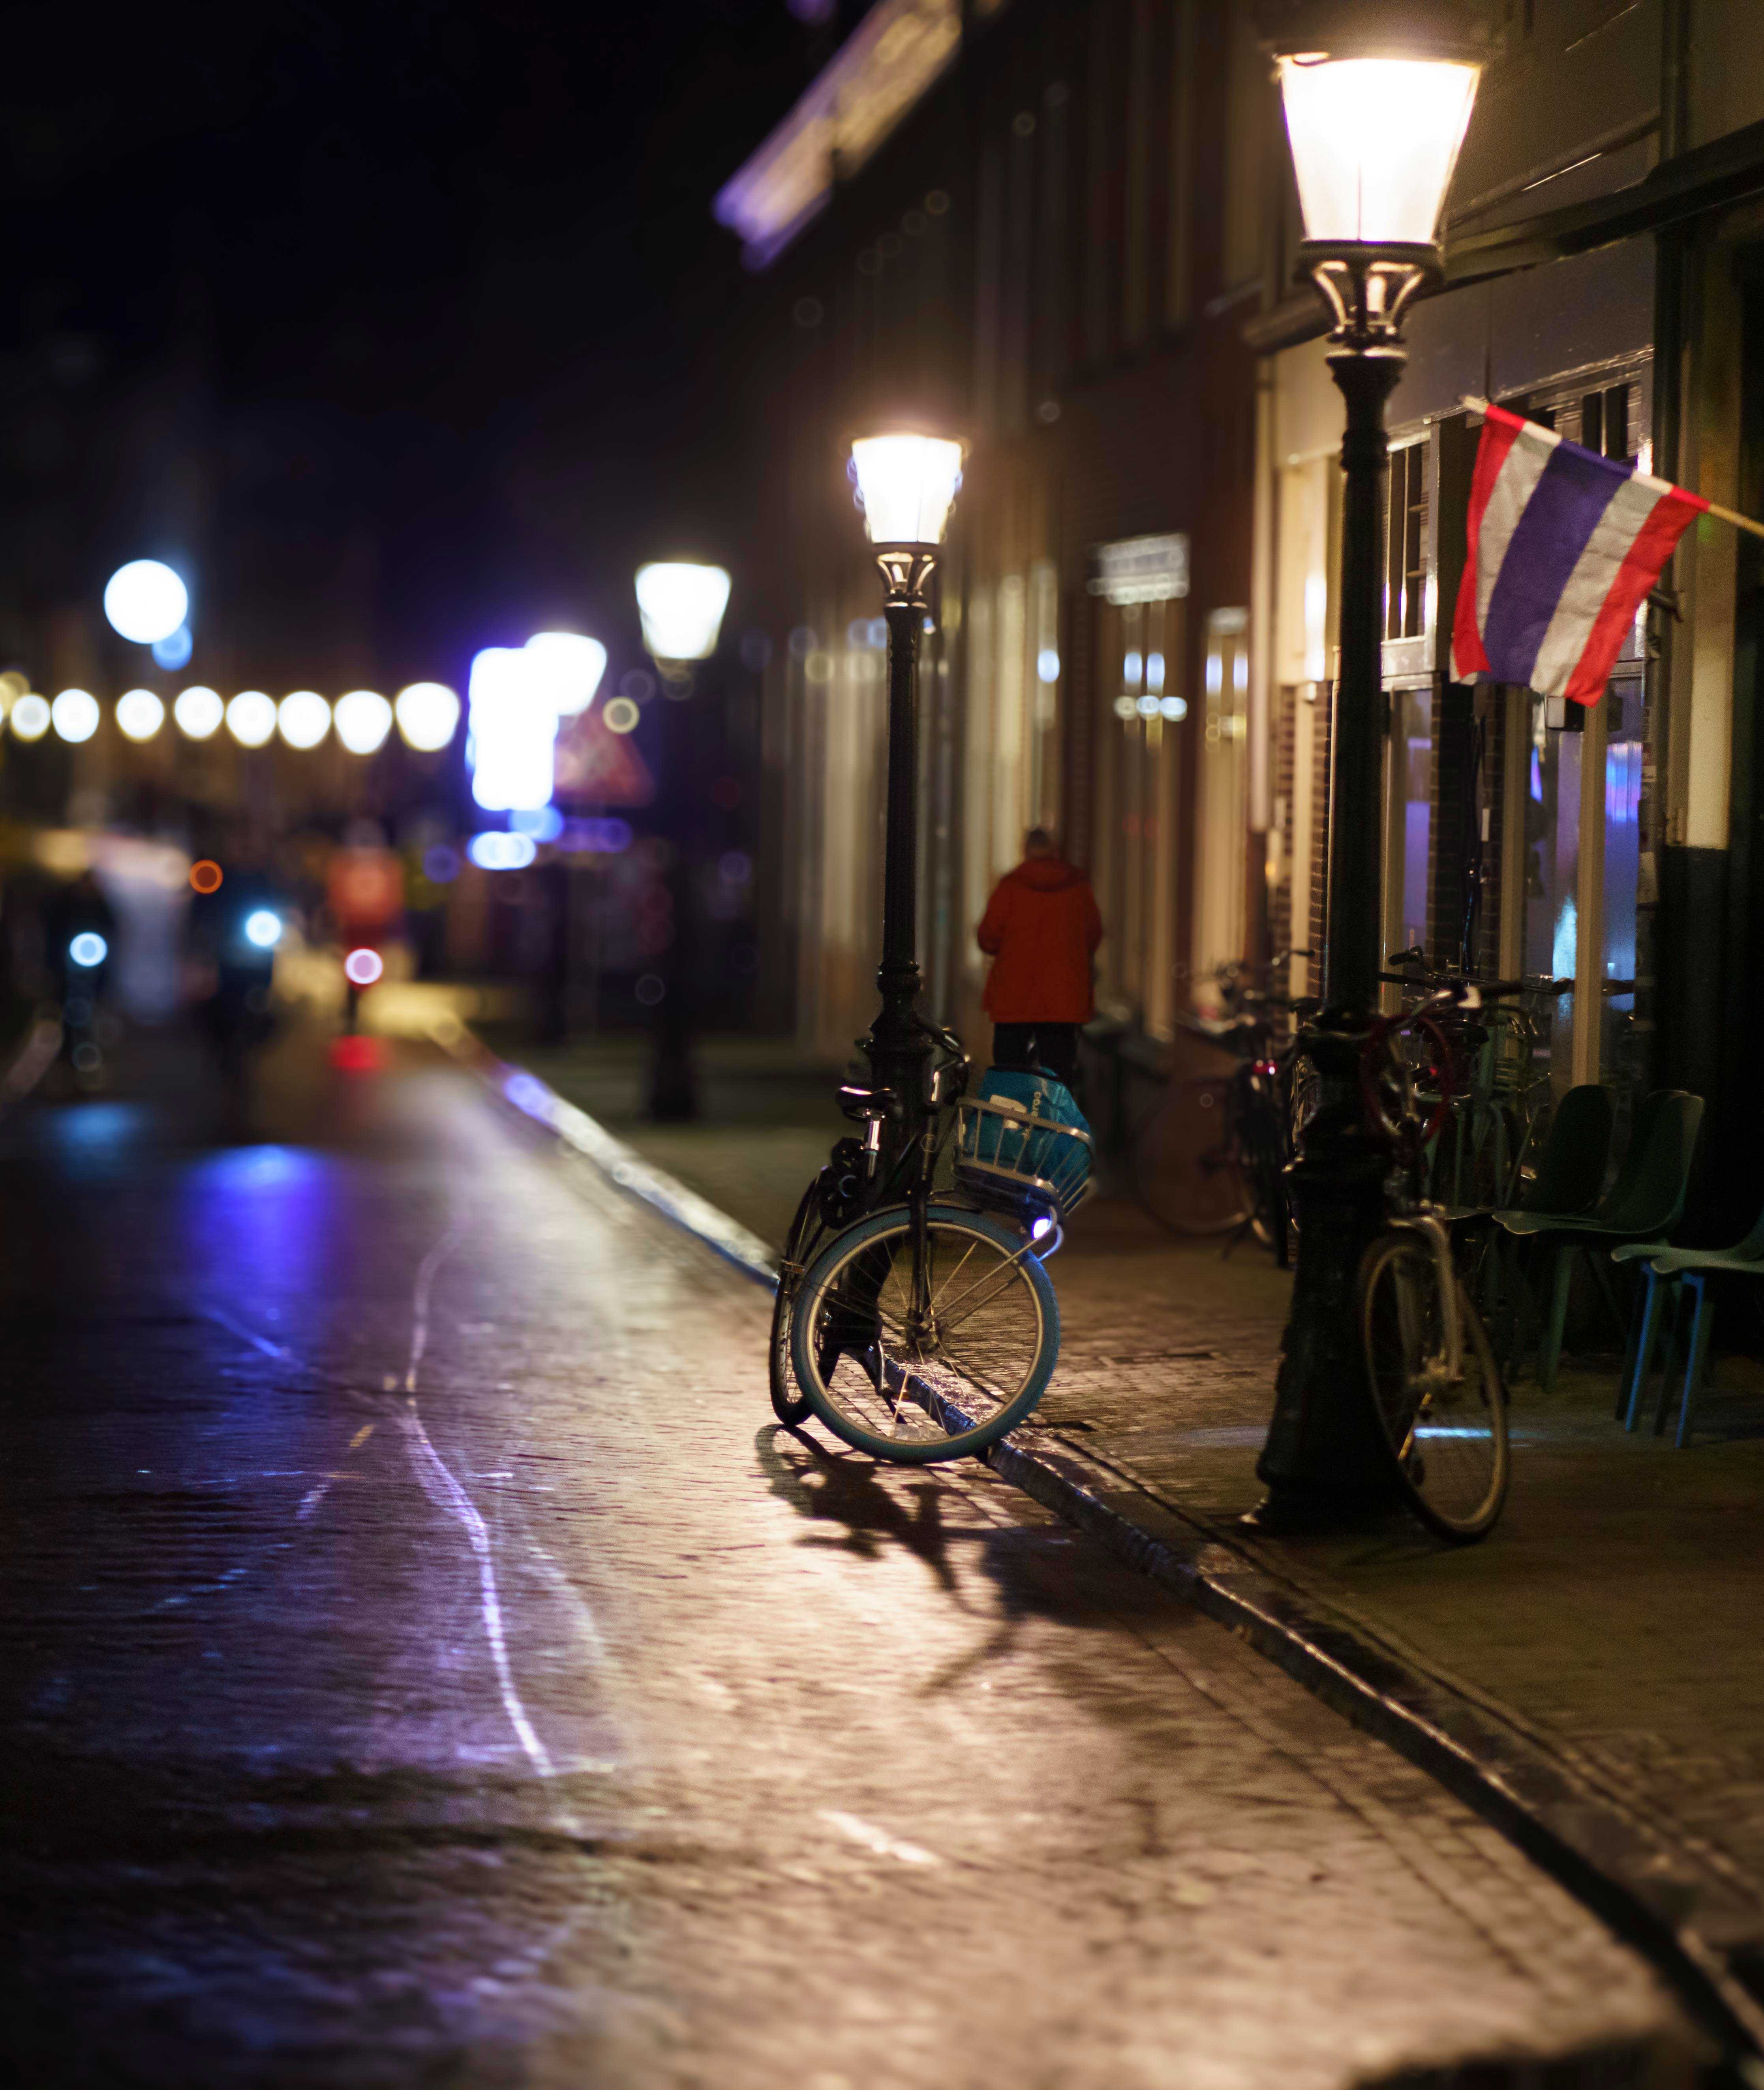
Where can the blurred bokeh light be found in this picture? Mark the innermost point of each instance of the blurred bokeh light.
(428, 714)
(198, 712)
(513, 732)
(568, 668)
(250, 717)
(682, 607)
(75, 715)
(29, 717)
(173, 651)
(363, 718)
(145, 600)
(140, 714)
(305, 718)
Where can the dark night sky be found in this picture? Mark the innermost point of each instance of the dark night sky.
(393, 319)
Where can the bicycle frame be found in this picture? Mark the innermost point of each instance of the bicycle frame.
(1444, 1369)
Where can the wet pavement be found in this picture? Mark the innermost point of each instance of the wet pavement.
(425, 1662)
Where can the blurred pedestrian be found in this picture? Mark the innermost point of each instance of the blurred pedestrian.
(1041, 929)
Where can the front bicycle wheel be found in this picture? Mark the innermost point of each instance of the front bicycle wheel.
(788, 1402)
(940, 1379)
(1187, 1163)
(1444, 1424)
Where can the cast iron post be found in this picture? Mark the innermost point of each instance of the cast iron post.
(1322, 1455)
(897, 1047)
(673, 1097)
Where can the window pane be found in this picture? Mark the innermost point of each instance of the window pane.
(1552, 867)
(1623, 858)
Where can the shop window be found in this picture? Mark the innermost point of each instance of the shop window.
(1551, 899)
(1140, 733)
(1622, 868)
(1223, 800)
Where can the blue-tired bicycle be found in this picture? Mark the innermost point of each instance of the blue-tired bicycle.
(917, 1323)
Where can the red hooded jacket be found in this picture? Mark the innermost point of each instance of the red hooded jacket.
(1040, 928)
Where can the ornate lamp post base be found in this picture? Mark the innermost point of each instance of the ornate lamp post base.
(1323, 1458)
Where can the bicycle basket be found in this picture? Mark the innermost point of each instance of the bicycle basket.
(1022, 1146)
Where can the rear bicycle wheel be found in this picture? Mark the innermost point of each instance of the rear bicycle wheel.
(1446, 1431)
(1266, 1168)
(911, 1390)
(790, 1404)
(1188, 1168)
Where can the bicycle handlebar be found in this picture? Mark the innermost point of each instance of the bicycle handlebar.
(1490, 990)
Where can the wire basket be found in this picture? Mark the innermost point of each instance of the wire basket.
(1008, 1158)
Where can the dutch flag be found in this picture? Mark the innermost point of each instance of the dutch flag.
(1563, 547)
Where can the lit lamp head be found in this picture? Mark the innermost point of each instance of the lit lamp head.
(682, 607)
(1378, 95)
(906, 486)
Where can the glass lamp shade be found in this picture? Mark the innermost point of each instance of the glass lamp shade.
(570, 666)
(1375, 140)
(682, 607)
(907, 485)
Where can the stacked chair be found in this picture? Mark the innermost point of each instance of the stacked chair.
(1564, 1216)
(1672, 1276)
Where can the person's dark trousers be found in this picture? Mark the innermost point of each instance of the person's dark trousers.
(1024, 1047)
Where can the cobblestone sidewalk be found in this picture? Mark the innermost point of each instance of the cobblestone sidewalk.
(1610, 1623)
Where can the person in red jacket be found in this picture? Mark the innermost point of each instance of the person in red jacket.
(1040, 928)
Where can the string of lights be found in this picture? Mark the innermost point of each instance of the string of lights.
(426, 714)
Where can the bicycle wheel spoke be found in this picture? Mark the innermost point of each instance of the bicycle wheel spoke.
(973, 1248)
(882, 1380)
(953, 1316)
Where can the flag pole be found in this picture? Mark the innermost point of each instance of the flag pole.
(1740, 521)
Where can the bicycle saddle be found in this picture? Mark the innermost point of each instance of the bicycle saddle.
(856, 1101)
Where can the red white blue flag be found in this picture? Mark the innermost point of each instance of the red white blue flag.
(1564, 546)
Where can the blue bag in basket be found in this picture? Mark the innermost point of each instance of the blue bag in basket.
(1004, 1158)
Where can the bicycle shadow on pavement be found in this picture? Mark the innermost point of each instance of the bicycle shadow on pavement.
(1036, 1569)
(844, 1489)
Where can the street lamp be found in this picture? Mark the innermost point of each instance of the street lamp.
(906, 486)
(1377, 98)
(681, 606)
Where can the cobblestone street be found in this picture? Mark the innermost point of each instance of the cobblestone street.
(428, 1661)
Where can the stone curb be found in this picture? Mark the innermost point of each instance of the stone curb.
(1690, 1923)
(621, 1165)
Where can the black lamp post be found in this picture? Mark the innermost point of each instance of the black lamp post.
(906, 484)
(681, 606)
(1377, 98)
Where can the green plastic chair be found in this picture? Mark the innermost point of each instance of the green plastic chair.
(1576, 1151)
(1646, 1202)
(1670, 1276)
(1570, 1174)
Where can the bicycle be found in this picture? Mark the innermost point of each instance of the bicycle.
(1212, 1158)
(919, 1325)
(1501, 1113)
(1436, 1388)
